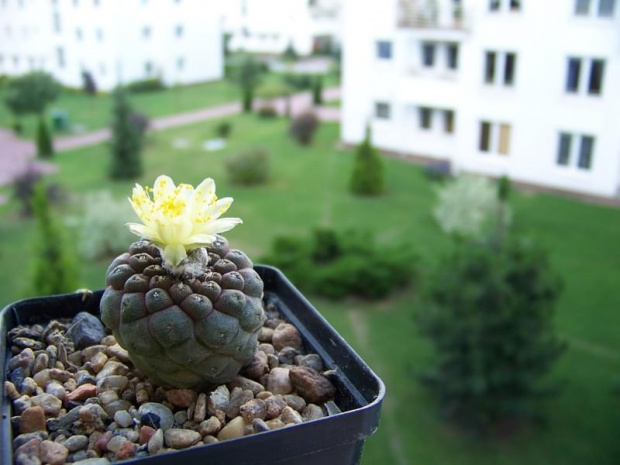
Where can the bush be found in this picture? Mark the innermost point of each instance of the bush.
(101, 231)
(88, 83)
(267, 111)
(153, 84)
(367, 175)
(24, 189)
(488, 311)
(45, 149)
(17, 127)
(127, 140)
(317, 90)
(298, 81)
(437, 171)
(140, 121)
(55, 270)
(467, 206)
(303, 127)
(223, 129)
(338, 265)
(250, 167)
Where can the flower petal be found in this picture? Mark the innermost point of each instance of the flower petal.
(219, 226)
(201, 240)
(162, 188)
(174, 254)
(143, 231)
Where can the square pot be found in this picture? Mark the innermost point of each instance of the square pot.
(333, 440)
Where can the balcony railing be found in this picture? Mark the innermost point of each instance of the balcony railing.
(429, 15)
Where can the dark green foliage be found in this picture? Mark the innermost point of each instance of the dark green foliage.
(17, 127)
(31, 93)
(140, 121)
(267, 111)
(88, 83)
(24, 188)
(367, 175)
(317, 90)
(126, 144)
(340, 265)
(298, 81)
(247, 74)
(438, 171)
(290, 54)
(223, 129)
(55, 271)
(489, 314)
(250, 167)
(45, 149)
(153, 84)
(303, 127)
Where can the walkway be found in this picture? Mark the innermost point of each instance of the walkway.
(16, 155)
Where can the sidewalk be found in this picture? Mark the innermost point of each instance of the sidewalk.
(17, 154)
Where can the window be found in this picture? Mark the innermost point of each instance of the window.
(509, 69)
(595, 84)
(448, 121)
(453, 56)
(564, 149)
(428, 54)
(96, 3)
(504, 139)
(78, 34)
(99, 35)
(384, 49)
(485, 136)
(148, 67)
(146, 32)
(494, 5)
(515, 5)
(489, 67)
(57, 28)
(582, 7)
(585, 152)
(572, 78)
(606, 8)
(382, 110)
(180, 63)
(76, 3)
(60, 55)
(426, 118)
(179, 31)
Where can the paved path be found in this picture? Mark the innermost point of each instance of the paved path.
(16, 155)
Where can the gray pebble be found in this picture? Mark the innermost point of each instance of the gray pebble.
(210, 440)
(246, 384)
(312, 412)
(218, 399)
(312, 361)
(259, 425)
(97, 461)
(86, 330)
(123, 418)
(156, 443)
(238, 397)
(77, 442)
(287, 356)
(180, 417)
(289, 415)
(24, 438)
(279, 382)
(210, 426)
(116, 406)
(166, 418)
(178, 438)
(295, 402)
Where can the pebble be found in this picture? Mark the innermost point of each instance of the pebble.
(210, 426)
(287, 356)
(238, 397)
(234, 429)
(286, 335)
(279, 381)
(89, 352)
(276, 423)
(41, 362)
(51, 405)
(274, 406)
(289, 415)
(115, 443)
(178, 438)
(98, 362)
(76, 442)
(311, 385)
(113, 383)
(126, 450)
(312, 412)
(156, 443)
(258, 366)
(53, 453)
(55, 389)
(255, 408)
(118, 352)
(210, 440)
(182, 398)
(94, 461)
(180, 417)
(21, 404)
(32, 419)
(42, 377)
(24, 438)
(82, 392)
(311, 361)
(25, 359)
(11, 391)
(166, 419)
(93, 414)
(86, 330)
(85, 377)
(295, 402)
(259, 425)
(266, 348)
(218, 399)
(107, 397)
(200, 411)
(112, 368)
(146, 432)
(109, 340)
(115, 406)
(273, 361)
(28, 453)
(265, 334)
(123, 418)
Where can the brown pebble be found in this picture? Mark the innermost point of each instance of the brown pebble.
(276, 423)
(178, 438)
(102, 443)
(108, 340)
(210, 426)
(82, 392)
(210, 440)
(312, 412)
(182, 398)
(11, 391)
(146, 432)
(286, 335)
(311, 385)
(289, 415)
(274, 406)
(126, 450)
(253, 409)
(234, 429)
(98, 362)
(200, 411)
(31, 420)
(265, 334)
(279, 381)
(118, 352)
(264, 395)
(53, 453)
(258, 366)
(51, 405)
(28, 453)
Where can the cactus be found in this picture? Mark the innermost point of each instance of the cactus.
(192, 319)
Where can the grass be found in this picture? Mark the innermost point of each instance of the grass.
(308, 189)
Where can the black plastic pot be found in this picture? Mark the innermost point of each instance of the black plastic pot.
(334, 440)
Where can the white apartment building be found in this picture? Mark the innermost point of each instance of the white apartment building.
(115, 41)
(270, 26)
(526, 88)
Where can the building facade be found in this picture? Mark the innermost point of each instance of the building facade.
(179, 41)
(529, 89)
(271, 26)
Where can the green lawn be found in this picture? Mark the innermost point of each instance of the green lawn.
(308, 188)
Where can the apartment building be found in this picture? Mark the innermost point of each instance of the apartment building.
(270, 26)
(177, 40)
(530, 89)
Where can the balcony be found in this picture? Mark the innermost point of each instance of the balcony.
(431, 15)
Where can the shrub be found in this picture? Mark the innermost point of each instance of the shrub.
(31, 93)
(140, 121)
(247, 74)
(338, 265)
(467, 206)
(24, 189)
(45, 149)
(317, 90)
(223, 129)
(88, 83)
(55, 269)
(267, 111)
(303, 127)
(153, 84)
(101, 230)
(290, 54)
(488, 311)
(126, 142)
(17, 127)
(250, 167)
(298, 81)
(367, 175)
(437, 171)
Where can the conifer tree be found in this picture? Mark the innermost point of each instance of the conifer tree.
(45, 149)
(367, 176)
(127, 140)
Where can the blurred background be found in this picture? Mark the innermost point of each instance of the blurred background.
(440, 177)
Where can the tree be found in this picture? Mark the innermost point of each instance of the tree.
(367, 175)
(126, 140)
(488, 312)
(31, 93)
(55, 270)
(45, 149)
(88, 83)
(317, 90)
(248, 76)
(290, 54)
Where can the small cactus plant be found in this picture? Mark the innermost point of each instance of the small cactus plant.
(184, 305)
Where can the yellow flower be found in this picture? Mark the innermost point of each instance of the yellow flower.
(180, 218)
